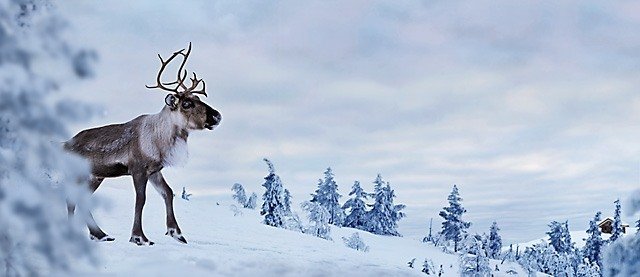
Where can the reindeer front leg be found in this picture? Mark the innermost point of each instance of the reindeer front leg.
(140, 185)
(163, 188)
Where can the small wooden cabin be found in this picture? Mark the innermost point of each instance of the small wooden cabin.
(606, 226)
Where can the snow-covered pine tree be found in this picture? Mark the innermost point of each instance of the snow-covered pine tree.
(453, 227)
(239, 194)
(356, 207)
(251, 202)
(616, 227)
(383, 217)
(355, 242)
(319, 220)
(36, 175)
(594, 243)
(327, 196)
(587, 269)
(494, 246)
(287, 201)
(473, 260)
(621, 257)
(559, 237)
(273, 208)
(185, 195)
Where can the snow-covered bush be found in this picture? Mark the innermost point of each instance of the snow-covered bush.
(36, 175)
(251, 202)
(318, 220)
(185, 195)
(355, 242)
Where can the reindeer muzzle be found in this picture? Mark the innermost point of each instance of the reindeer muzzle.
(213, 118)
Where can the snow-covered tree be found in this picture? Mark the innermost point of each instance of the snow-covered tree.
(588, 269)
(559, 237)
(621, 257)
(616, 227)
(251, 202)
(185, 195)
(638, 226)
(355, 242)
(356, 208)
(474, 260)
(594, 243)
(273, 208)
(36, 175)
(319, 220)
(384, 215)
(429, 237)
(239, 194)
(328, 197)
(494, 242)
(453, 227)
(287, 201)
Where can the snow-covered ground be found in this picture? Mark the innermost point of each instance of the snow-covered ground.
(221, 244)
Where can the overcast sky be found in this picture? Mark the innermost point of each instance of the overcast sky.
(531, 108)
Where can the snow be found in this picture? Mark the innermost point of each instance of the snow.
(221, 244)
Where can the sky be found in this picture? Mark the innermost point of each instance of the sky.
(531, 108)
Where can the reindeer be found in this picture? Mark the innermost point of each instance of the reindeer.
(145, 145)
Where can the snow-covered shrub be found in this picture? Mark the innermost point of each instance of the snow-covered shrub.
(36, 175)
(542, 257)
(292, 222)
(427, 267)
(355, 242)
(185, 195)
(236, 211)
(318, 220)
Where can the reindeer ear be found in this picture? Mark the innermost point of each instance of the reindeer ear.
(171, 101)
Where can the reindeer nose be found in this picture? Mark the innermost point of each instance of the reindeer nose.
(213, 118)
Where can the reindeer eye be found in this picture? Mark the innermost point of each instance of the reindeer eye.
(187, 104)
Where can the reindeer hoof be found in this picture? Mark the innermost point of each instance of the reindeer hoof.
(174, 233)
(140, 240)
(103, 238)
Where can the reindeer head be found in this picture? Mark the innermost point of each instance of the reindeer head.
(183, 99)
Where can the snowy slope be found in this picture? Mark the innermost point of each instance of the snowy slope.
(221, 244)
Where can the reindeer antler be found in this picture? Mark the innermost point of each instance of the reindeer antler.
(181, 77)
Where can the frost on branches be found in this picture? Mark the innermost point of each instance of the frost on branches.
(318, 220)
(273, 208)
(357, 208)
(355, 242)
(36, 175)
(384, 215)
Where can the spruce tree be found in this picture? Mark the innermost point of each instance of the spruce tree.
(239, 194)
(287, 202)
(327, 196)
(273, 208)
(357, 208)
(594, 242)
(495, 242)
(559, 237)
(453, 227)
(384, 215)
(474, 260)
(251, 202)
(616, 228)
